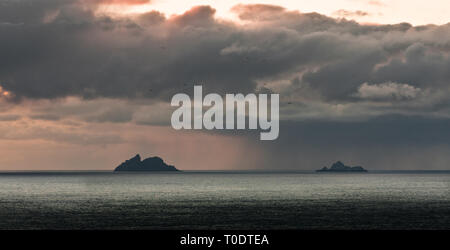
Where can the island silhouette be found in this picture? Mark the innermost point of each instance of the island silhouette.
(149, 164)
(341, 167)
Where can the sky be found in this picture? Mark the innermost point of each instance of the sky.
(416, 12)
(85, 85)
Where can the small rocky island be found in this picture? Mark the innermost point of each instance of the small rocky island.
(149, 164)
(341, 167)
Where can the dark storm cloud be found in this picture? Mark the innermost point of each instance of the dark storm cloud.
(79, 54)
(421, 66)
(60, 48)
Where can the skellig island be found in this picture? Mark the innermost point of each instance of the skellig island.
(149, 164)
(341, 167)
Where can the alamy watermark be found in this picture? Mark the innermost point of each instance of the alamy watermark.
(213, 118)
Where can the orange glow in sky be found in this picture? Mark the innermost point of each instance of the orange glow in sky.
(416, 12)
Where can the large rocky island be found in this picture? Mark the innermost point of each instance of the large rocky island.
(149, 164)
(341, 167)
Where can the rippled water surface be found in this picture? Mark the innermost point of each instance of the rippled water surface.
(226, 200)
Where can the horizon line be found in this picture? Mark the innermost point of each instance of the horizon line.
(219, 170)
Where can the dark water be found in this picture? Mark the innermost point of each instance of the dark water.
(224, 200)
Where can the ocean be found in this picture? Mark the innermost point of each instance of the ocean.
(224, 200)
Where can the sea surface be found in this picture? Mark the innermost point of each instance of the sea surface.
(224, 200)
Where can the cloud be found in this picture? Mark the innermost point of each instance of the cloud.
(386, 91)
(99, 110)
(9, 117)
(350, 13)
(46, 117)
(56, 133)
(124, 2)
(150, 56)
(197, 16)
(258, 12)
